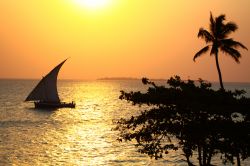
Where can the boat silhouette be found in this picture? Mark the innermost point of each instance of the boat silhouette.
(45, 94)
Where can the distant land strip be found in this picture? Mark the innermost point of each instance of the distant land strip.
(128, 78)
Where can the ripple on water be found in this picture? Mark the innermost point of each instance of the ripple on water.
(80, 136)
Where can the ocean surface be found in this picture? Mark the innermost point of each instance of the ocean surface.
(80, 136)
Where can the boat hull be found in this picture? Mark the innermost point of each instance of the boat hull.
(54, 105)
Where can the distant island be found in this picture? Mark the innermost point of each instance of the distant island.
(127, 78)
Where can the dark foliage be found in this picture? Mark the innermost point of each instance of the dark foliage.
(200, 119)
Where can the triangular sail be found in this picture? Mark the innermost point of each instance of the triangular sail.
(46, 89)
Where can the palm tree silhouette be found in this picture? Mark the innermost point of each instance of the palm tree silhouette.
(217, 39)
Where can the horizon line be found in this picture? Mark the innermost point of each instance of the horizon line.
(117, 78)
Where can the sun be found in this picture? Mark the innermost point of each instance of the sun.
(92, 4)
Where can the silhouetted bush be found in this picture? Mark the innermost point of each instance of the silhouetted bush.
(200, 119)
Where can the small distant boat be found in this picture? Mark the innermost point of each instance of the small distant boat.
(45, 93)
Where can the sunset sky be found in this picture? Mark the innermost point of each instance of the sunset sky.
(117, 38)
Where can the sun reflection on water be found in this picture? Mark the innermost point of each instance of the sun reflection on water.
(83, 135)
(80, 136)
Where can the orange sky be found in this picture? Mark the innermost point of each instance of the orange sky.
(125, 38)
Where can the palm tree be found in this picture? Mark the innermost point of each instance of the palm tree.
(217, 39)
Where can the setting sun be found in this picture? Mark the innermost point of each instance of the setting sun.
(92, 4)
(116, 38)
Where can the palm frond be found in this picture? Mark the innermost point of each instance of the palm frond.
(220, 18)
(231, 26)
(228, 28)
(219, 25)
(212, 24)
(218, 36)
(235, 54)
(202, 51)
(231, 43)
(205, 35)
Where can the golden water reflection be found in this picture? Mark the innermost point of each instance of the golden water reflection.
(80, 136)
(91, 133)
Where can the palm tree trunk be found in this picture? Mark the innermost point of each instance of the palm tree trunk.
(199, 153)
(219, 72)
(238, 159)
(209, 156)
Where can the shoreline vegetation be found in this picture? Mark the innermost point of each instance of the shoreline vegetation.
(203, 120)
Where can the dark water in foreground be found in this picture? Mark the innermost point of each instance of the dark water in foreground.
(80, 136)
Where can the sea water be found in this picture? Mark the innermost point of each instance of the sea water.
(80, 136)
